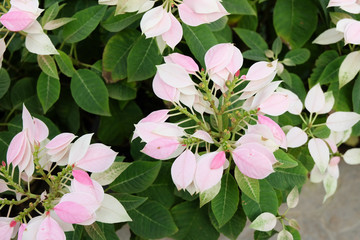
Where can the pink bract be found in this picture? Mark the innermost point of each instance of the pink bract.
(194, 13)
(183, 170)
(16, 21)
(205, 176)
(184, 61)
(254, 160)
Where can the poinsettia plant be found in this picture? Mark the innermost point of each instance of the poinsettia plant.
(217, 113)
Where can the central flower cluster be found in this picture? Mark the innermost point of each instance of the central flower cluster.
(227, 113)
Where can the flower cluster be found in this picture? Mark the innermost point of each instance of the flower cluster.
(161, 23)
(73, 197)
(237, 108)
(21, 17)
(237, 128)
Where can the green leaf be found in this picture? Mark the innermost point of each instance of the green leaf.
(277, 46)
(255, 55)
(337, 16)
(137, 177)
(65, 64)
(129, 201)
(232, 228)
(342, 100)
(95, 232)
(5, 139)
(89, 92)
(295, 21)
(356, 104)
(122, 91)
(295, 233)
(219, 24)
(287, 178)
(297, 56)
(323, 60)
(247, 185)
(285, 159)
(225, 204)
(76, 234)
(50, 13)
(117, 129)
(23, 91)
(252, 39)
(242, 7)
(120, 22)
(48, 90)
(331, 71)
(57, 23)
(193, 222)
(47, 65)
(109, 231)
(142, 59)
(268, 201)
(162, 189)
(322, 132)
(199, 39)
(116, 52)
(4, 82)
(86, 22)
(295, 84)
(152, 220)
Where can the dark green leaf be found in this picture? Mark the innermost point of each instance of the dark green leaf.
(129, 201)
(252, 39)
(142, 59)
(322, 132)
(162, 190)
(295, 233)
(199, 39)
(4, 82)
(324, 59)
(225, 204)
(89, 92)
(242, 7)
(65, 64)
(109, 231)
(295, 21)
(122, 91)
(137, 177)
(48, 90)
(232, 228)
(47, 65)
(117, 129)
(331, 71)
(116, 52)
(255, 55)
(295, 84)
(86, 22)
(287, 178)
(119, 22)
(298, 56)
(76, 234)
(193, 222)
(219, 24)
(152, 220)
(23, 91)
(286, 160)
(356, 104)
